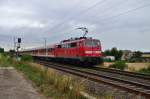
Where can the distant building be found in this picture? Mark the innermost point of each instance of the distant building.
(146, 57)
(127, 54)
(112, 58)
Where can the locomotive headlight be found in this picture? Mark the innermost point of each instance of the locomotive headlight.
(88, 52)
(92, 52)
(97, 52)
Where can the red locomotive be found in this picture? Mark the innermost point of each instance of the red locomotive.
(79, 50)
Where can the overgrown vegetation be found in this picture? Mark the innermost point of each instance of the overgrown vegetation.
(119, 65)
(11, 53)
(49, 82)
(26, 58)
(5, 60)
(145, 70)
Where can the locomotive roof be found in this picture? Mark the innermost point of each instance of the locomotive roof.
(75, 40)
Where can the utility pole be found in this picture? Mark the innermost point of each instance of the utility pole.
(46, 52)
(14, 43)
(15, 46)
(45, 43)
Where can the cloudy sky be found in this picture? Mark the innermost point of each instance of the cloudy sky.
(124, 24)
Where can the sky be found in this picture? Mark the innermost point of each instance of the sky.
(124, 24)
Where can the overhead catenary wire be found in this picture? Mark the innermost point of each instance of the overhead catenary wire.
(123, 13)
(128, 11)
(108, 9)
(64, 22)
(79, 14)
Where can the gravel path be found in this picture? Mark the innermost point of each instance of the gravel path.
(13, 85)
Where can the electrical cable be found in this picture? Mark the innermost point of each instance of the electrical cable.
(79, 14)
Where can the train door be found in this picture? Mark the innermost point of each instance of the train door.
(92, 47)
(73, 49)
(80, 48)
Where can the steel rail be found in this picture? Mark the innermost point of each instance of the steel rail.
(130, 86)
(126, 73)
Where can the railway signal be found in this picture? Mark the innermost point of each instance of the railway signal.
(17, 45)
(19, 40)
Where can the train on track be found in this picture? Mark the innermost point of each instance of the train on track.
(82, 50)
(76, 50)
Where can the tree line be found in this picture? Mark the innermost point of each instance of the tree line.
(114, 52)
(1, 50)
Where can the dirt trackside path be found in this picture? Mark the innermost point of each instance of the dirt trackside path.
(14, 86)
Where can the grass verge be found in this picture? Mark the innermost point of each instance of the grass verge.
(50, 83)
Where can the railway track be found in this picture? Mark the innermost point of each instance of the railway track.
(118, 79)
(127, 73)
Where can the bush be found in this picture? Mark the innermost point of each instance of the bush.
(5, 60)
(119, 65)
(26, 58)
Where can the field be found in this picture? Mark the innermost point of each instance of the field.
(131, 66)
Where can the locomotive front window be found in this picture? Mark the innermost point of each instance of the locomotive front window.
(92, 43)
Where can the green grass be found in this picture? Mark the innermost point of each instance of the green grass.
(5, 60)
(26, 58)
(51, 84)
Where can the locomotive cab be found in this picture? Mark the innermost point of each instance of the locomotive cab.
(92, 51)
(92, 48)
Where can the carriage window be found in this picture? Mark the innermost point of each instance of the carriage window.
(92, 43)
(68, 45)
(50, 49)
(73, 44)
(63, 46)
